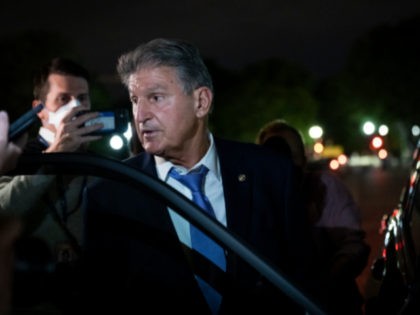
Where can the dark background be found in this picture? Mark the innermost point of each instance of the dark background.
(318, 34)
(327, 62)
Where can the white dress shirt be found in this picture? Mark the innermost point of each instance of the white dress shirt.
(213, 189)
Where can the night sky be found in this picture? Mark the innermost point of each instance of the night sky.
(317, 34)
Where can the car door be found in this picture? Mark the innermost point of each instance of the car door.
(73, 164)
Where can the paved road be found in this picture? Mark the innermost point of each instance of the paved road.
(377, 191)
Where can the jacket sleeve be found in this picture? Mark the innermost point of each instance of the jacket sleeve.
(19, 194)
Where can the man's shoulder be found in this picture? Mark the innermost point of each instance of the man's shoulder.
(238, 146)
(254, 159)
(141, 161)
(247, 151)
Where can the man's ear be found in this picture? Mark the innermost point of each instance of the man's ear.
(204, 98)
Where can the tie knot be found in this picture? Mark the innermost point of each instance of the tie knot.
(193, 180)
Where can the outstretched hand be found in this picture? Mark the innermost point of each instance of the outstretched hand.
(9, 151)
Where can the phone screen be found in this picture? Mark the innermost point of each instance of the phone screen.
(106, 118)
(114, 121)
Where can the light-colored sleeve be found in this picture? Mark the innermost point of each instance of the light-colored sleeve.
(19, 194)
(341, 224)
(340, 209)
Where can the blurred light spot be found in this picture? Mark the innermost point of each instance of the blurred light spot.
(383, 154)
(342, 159)
(129, 133)
(377, 142)
(368, 128)
(334, 165)
(116, 142)
(383, 130)
(318, 147)
(415, 130)
(315, 132)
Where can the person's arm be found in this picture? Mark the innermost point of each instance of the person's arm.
(341, 219)
(9, 151)
(19, 194)
(352, 252)
(10, 229)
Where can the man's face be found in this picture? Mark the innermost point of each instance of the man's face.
(166, 118)
(62, 90)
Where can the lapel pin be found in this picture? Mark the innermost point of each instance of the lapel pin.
(242, 177)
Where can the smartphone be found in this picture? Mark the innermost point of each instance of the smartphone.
(114, 121)
(22, 124)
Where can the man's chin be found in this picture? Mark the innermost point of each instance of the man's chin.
(151, 149)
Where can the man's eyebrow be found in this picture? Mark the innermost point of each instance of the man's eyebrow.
(152, 89)
(63, 94)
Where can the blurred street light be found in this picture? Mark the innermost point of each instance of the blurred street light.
(116, 142)
(415, 130)
(318, 147)
(368, 128)
(315, 132)
(383, 130)
(382, 154)
(376, 143)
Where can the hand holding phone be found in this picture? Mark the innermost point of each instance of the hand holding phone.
(114, 121)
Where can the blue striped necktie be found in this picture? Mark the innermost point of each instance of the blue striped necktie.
(200, 242)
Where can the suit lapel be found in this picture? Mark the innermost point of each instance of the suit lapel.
(162, 221)
(144, 162)
(237, 179)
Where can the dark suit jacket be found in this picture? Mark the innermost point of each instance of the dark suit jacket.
(133, 255)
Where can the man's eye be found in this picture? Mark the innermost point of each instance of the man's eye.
(63, 100)
(157, 98)
(133, 100)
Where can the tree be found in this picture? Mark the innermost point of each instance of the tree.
(262, 92)
(380, 81)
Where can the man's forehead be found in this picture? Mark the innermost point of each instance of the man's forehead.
(152, 80)
(68, 82)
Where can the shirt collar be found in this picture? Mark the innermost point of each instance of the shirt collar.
(210, 160)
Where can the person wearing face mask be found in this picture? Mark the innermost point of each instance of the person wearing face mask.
(63, 87)
(49, 204)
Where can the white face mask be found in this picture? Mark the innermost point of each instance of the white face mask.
(54, 118)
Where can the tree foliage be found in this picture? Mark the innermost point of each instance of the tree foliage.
(263, 92)
(380, 82)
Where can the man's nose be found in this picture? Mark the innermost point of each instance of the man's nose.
(142, 111)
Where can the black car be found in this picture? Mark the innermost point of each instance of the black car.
(98, 166)
(397, 270)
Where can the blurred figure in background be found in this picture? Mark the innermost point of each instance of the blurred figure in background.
(340, 250)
